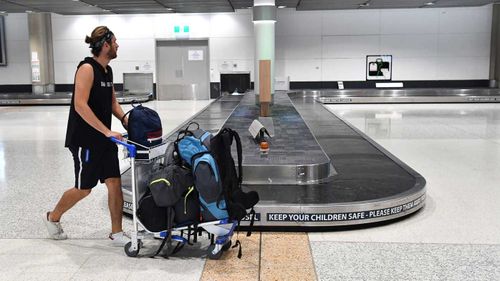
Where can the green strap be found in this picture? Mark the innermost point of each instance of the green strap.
(160, 180)
(185, 199)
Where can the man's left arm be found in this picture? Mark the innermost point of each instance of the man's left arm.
(117, 109)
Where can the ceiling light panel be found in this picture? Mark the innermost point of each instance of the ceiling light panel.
(84, 7)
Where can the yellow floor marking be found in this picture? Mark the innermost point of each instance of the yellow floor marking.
(230, 267)
(286, 256)
(267, 257)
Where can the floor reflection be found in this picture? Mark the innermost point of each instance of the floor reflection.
(423, 120)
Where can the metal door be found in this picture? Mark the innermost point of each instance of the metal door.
(182, 70)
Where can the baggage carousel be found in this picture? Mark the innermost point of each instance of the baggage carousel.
(430, 95)
(62, 98)
(319, 173)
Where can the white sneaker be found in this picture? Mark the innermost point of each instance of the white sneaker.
(119, 239)
(55, 229)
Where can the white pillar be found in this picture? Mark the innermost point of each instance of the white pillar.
(264, 20)
(495, 48)
(42, 58)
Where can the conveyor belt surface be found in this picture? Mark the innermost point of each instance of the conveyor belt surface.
(430, 95)
(371, 185)
(61, 98)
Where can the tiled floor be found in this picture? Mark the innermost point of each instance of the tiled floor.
(457, 235)
(456, 147)
(35, 169)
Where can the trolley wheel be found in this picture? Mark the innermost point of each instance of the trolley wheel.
(213, 256)
(226, 246)
(130, 252)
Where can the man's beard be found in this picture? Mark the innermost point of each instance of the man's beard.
(111, 54)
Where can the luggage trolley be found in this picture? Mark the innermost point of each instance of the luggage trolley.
(222, 229)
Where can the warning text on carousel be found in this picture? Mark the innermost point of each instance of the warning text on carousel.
(362, 215)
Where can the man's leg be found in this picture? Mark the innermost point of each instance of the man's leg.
(115, 203)
(84, 177)
(68, 200)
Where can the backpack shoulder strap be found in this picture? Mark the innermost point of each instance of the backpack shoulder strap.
(123, 118)
(236, 137)
(167, 240)
(186, 131)
(129, 112)
(228, 135)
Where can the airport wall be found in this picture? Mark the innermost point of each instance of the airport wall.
(426, 44)
(18, 70)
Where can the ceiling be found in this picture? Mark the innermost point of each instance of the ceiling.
(85, 7)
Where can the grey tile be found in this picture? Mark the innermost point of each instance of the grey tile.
(8, 275)
(99, 275)
(110, 262)
(399, 261)
(46, 246)
(163, 275)
(46, 276)
(41, 263)
(174, 268)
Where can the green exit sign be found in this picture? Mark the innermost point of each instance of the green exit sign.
(177, 29)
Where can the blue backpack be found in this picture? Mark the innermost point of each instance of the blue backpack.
(216, 176)
(144, 126)
(193, 148)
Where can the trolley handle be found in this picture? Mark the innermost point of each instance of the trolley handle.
(132, 150)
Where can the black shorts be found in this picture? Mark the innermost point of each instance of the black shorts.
(92, 165)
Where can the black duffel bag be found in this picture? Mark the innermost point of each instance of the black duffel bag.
(167, 189)
(152, 217)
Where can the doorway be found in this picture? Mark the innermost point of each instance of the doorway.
(182, 70)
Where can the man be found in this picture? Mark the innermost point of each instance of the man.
(88, 136)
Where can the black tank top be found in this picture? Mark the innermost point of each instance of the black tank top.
(80, 133)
